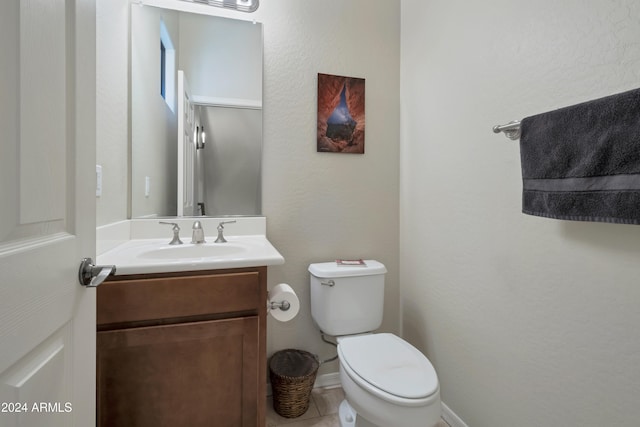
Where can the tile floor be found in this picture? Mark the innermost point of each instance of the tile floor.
(323, 411)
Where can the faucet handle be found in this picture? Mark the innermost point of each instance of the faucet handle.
(222, 223)
(221, 238)
(176, 232)
(175, 226)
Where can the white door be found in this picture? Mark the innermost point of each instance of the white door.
(186, 149)
(47, 212)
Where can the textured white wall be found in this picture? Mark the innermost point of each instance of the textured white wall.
(322, 206)
(529, 321)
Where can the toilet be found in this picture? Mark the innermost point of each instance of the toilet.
(387, 382)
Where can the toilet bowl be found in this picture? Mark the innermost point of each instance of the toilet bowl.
(387, 382)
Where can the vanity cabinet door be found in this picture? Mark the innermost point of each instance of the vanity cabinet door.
(190, 374)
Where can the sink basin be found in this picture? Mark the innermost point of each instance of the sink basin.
(141, 256)
(188, 250)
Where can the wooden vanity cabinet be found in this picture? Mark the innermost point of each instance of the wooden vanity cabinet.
(182, 349)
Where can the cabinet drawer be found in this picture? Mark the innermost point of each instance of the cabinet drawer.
(137, 300)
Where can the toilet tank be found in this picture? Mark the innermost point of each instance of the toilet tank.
(347, 300)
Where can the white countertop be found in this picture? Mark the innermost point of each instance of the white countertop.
(142, 256)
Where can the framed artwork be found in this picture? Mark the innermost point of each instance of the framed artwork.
(341, 116)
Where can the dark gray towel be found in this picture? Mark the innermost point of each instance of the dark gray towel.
(583, 162)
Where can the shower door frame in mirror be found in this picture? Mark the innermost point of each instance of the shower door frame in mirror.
(224, 172)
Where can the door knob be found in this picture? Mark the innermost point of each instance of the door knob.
(91, 275)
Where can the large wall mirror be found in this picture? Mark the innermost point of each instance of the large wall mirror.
(196, 114)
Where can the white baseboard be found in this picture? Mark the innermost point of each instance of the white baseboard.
(327, 380)
(451, 418)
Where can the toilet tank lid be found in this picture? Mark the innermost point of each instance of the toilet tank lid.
(333, 269)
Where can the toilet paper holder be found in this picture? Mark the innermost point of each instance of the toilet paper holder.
(282, 305)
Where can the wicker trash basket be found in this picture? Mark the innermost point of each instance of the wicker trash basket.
(292, 373)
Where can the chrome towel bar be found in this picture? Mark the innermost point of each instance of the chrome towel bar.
(511, 129)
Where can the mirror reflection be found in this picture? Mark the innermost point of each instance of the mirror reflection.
(196, 114)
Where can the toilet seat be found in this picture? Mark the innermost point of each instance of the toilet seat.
(389, 367)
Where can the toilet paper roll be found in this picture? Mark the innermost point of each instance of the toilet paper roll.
(280, 293)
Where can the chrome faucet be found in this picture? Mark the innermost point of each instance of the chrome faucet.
(198, 233)
(221, 238)
(176, 233)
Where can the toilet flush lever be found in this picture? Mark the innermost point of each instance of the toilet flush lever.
(329, 283)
